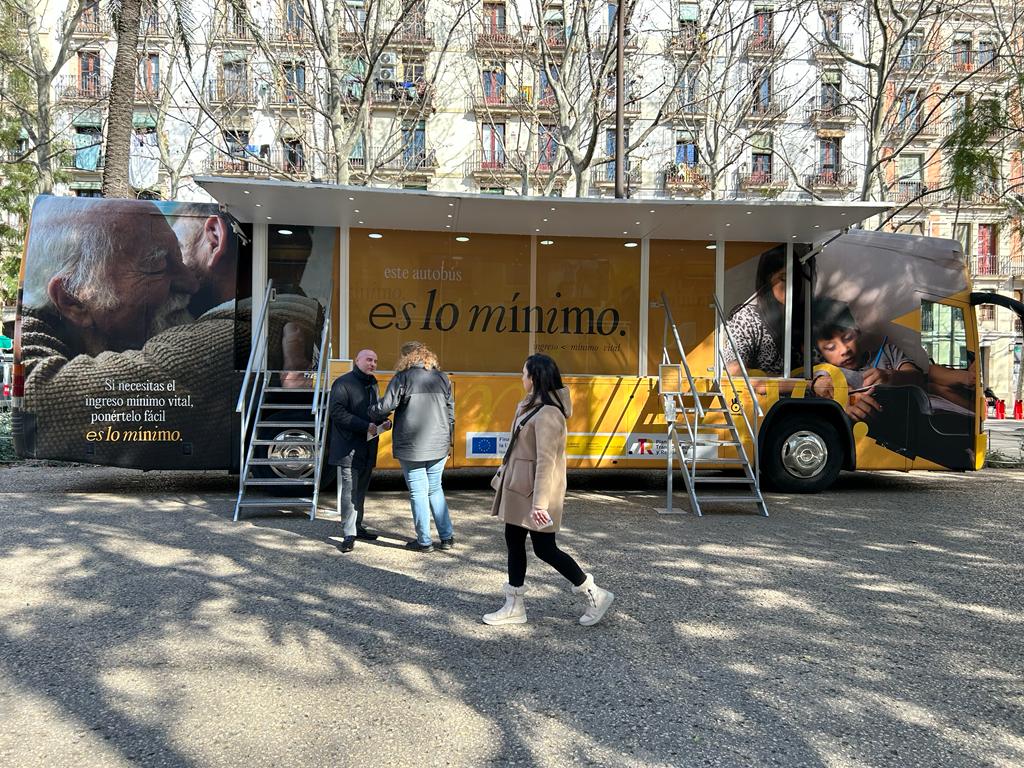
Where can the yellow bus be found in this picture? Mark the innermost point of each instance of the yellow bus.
(824, 346)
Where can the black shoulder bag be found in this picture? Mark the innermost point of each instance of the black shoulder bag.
(496, 480)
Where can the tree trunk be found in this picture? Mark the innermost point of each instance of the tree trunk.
(44, 138)
(121, 105)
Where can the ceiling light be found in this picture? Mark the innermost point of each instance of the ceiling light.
(259, 205)
(462, 239)
(711, 234)
(451, 205)
(246, 192)
(449, 215)
(356, 211)
(631, 244)
(710, 247)
(552, 209)
(547, 242)
(794, 237)
(817, 226)
(651, 211)
(545, 219)
(375, 235)
(625, 232)
(360, 222)
(842, 214)
(351, 198)
(728, 224)
(536, 230)
(268, 218)
(749, 212)
(283, 231)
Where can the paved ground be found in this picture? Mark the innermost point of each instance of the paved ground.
(876, 625)
(1005, 440)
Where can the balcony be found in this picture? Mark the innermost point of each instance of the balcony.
(404, 161)
(151, 26)
(909, 192)
(490, 38)
(413, 33)
(277, 162)
(607, 34)
(501, 100)
(768, 111)
(916, 127)
(147, 93)
(687, 106)
(84, 161)
(833, 48)
(547, 104)
(991, 265)
(236, 30)
(94, 24)
(765, 182)
(288, 95)
(763, 44)
(293, 32)
(232, 92)
(687, 41)
(830, 179)
(828, 112)
(602, 177)
(495, 164)
(905, 63)
(982, 63)
(988, 194)
(689, 180)
(949, 126)
(554, 37)
(630, 106)
(82, 88)
(395, 96)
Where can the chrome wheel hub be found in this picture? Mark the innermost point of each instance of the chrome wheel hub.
(297, 446)
(804, 454)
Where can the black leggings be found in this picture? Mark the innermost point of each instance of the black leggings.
(545, 548)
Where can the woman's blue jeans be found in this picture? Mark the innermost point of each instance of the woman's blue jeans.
(423, 478)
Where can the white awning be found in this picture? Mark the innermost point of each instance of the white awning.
(284, 202)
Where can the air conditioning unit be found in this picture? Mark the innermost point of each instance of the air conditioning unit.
(387, 73)
(388, 59)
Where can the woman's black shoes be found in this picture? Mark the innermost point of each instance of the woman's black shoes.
(446, 544)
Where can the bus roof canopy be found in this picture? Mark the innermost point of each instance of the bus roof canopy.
(286, 202)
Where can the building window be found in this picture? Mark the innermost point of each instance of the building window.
(294, 17)
(986, 313)
(831, 22)
(909, 51)
(687, 152)
(688, 91)
(88, 143)
(414, 143)
(960, 54)
(414, 72)
(89, 74)
(294, 81)
(493, 82)
(493, 146)
(761, 158)
(987, 258)
(149, 74)
(762, 92)
(294, 156)
(831, 90)
(548, 147)
(829, 152)
(910, 174)
(494, 18)
(910, 111)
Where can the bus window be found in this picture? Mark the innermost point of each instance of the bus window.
(944, 335)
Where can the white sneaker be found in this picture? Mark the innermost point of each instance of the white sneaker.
(514, 609)
(598, 601)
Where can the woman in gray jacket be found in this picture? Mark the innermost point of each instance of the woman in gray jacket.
(420, 394)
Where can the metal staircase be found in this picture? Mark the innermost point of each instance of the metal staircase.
(701, 415)
(283, 428)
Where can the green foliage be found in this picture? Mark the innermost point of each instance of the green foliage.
(973, 159)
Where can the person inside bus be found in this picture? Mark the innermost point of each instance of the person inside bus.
(352, 446)
(530, 494)
(421, 396)
(758, 326)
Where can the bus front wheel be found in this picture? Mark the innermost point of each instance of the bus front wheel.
(801, 454)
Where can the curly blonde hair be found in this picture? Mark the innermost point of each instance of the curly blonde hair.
(418, 355)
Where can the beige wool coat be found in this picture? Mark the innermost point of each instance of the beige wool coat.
(534, 475)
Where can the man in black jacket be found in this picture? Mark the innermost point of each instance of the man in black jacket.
(353, 446)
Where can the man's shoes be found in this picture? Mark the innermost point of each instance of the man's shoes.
(348, 544)
(365, 534)
(446, 544)
(415, 546)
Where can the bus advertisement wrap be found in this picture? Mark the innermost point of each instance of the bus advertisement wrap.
(127, 332)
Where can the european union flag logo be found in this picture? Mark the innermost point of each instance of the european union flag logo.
(485, 445)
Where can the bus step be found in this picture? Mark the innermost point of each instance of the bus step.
(706, 410)
(252, 481)
(309, 424)
(714, 479)
(286, 406)
(307, 443)
(704, 499)
(724, 425)
(303, 390)
(733, 462)
(711, 441)
(278, 502)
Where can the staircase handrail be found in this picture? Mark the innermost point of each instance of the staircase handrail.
(259, 348)
(682, 356)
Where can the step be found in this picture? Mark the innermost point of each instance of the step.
(709, 425)
(278, 502)
(725, 480)
(258, 481)
(306, 443)
(708, 441)
(704, 499)
(277, 462)
(286, 406)
(309, 424)
(305, 390)
(706, 410)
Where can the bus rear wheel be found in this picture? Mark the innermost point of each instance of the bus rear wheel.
(801, 454)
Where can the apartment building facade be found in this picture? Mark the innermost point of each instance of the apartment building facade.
(750, 100)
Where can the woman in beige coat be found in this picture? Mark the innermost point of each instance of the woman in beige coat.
(530, 493)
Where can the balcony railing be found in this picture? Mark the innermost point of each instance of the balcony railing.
(763, 44)
(763, 180)
(682, 177)
(290, 95)
(413, 33)
(687, 105)
(83, 87)
(828, 111)
(986, 193)
(913, 62)
(630, 105)
(554, 36)
(908, 191)
(230, 29)
(603, 175)
(600, 37)
(242, 163)
(151, 25)
(404, 160)
(495, 163)
(232, 91)
(97, 24)
(830, 178)
(499, 99)
(991, 265)
(834, 46)
(982, 62)
(773, 109)
(686, 40)
(917, 126)
(396, 96)
(489, 36)
(290, 32)
(147, 92)
(83, 160)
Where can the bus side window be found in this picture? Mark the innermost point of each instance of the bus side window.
(944, 335)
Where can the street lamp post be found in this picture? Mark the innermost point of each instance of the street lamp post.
(620, 132)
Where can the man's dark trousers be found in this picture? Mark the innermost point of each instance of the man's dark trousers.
(353, 482)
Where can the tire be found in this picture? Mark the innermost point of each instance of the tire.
(801, 454)
(300, 469)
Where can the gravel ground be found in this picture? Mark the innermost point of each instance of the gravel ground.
(875, 625)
